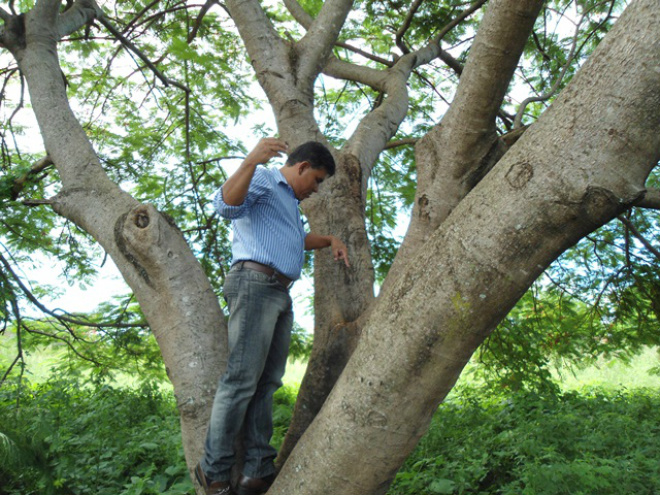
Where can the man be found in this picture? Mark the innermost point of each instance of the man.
(268, 256)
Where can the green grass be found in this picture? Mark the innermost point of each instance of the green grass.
(606, 373)
(615, 374)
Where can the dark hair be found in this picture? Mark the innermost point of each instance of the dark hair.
(316, 154)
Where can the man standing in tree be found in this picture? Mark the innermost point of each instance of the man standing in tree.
(268, 254)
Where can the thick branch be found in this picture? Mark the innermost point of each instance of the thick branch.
(262, 42)
(650, 200)
(4, 15)
(321, 36)
(47, 11)
(340, 69)
(457, 153)
(81, 13)
(299, 14)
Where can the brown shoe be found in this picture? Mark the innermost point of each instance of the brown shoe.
(213, 487)
(254, 486)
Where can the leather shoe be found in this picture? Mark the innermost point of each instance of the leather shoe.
(254, 486)
(212, 487)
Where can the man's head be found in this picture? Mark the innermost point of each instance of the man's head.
(307, 166)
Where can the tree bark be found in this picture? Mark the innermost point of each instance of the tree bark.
(559, 182)
(150, 252)
(464, 146)
(507, 26)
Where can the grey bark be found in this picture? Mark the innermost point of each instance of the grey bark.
(460, 150)
(150, 252)
(563, 179)
(468, 258)
(506, 27)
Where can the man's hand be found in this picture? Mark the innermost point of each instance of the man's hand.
(339, 250)
(236, 188)
(266, 149)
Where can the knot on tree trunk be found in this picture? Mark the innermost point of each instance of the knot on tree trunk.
(140, 236)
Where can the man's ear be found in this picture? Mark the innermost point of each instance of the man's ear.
(302, 166)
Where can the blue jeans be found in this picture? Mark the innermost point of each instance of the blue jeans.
(260, 322)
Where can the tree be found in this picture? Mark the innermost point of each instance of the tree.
(488, 218)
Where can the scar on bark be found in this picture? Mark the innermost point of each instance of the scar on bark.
(519, 174)
(141, 219)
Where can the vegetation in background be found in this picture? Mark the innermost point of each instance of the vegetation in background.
(595, 442)
(63, 438)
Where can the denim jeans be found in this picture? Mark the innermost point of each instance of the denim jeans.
(260, 322)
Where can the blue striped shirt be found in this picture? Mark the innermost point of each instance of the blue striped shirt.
(267, 226)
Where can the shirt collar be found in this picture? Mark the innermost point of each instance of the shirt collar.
(279, 177)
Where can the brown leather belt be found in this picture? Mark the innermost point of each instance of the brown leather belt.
(259, 267)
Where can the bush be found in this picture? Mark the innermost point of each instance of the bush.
(525, 444)
(67, 439)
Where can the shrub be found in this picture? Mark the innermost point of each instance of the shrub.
(68, 439)
(525, 444)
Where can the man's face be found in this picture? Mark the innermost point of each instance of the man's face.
(308, 180)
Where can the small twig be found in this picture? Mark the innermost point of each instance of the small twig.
(61, 318)
(569, 59)
(406, 25)
(67, 342)
(401, 142)
(165, 80)
(457, 20)
(639, 236)
(366, 55)
(140, 14)
(19, 183)
(198, 21)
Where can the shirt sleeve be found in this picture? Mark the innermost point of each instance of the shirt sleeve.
(260, 188)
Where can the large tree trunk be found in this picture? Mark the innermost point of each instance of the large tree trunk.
(469, 149)
(175, 295)
(472, 257)
(584, 162)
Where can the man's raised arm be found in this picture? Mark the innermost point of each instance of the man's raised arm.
(236, 188)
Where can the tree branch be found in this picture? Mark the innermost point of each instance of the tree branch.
(4, 15)
(81, 13)
(200, 17)
(140, 14)
(19, 183)
(47, 11)
(405, 26)
(352, 72)
(299, 14)
(64, 319)
(451, 62)
(651, 200)
(321, 36)
(131, 46)
(401, 142)
(639, 236)
(367, 55)
(457, 20)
